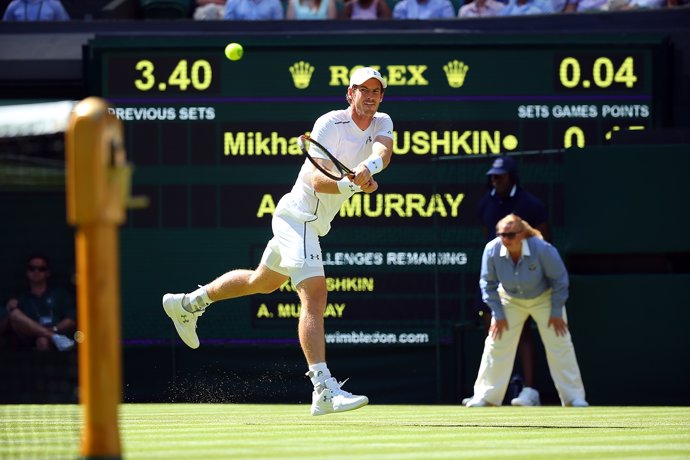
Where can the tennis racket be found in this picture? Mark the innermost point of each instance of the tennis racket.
(325, 162)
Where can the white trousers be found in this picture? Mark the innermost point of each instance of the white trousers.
(499, 355)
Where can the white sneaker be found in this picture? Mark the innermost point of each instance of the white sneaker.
(184, 321)
(477, 402)
(331, 398)
(465, 401)
(579, 403)
(527, 397)
(62, 342)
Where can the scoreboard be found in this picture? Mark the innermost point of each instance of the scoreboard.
(214, 144)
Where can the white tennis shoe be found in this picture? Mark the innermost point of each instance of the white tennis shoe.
(476, 401)
(329, 397)
(184, 321)
(527, 397)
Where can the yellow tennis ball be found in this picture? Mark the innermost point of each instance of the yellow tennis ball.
(234, 51)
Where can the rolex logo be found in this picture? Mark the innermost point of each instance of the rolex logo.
(455, 73)
(301, 74)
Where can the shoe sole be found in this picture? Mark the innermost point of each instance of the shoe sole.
(321, 412)
(480, 403)
(191, 342)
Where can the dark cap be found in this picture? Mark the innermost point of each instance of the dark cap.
(503, 165)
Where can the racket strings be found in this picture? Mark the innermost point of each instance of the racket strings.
(323, 160)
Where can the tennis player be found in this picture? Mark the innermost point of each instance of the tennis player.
(358, 136)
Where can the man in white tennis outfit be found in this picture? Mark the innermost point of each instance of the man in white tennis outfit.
(362, 139)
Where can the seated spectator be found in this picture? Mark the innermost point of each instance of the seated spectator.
(424, 9)
(42, 316)
(209, 10)
(35, 10)
(618, 5)
(311, 9)
(366, 9)
(622, 5)
(254, 10)
(580, 6)
(524, 7)
(480, 8)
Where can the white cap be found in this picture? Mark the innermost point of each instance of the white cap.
(359, 76)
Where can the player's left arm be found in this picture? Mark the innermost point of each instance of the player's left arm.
(380, 158)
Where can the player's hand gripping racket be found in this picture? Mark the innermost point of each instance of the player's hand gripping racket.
(322, 159)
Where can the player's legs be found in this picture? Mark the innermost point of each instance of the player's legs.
(312, 293)
(184, 309)
(305, 267)
(238, 283)
(328, 396)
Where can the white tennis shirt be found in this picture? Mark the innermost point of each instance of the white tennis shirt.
(337, 132)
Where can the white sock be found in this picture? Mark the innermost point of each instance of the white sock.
(196, 300)
(318, 373)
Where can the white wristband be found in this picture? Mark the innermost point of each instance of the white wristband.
(347, 187)
(374, 164)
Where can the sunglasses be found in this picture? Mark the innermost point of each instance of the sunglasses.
(508, 235)
(37, 268)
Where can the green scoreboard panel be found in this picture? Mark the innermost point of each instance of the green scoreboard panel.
(214, 146)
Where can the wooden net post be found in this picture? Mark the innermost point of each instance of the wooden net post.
(98, 193)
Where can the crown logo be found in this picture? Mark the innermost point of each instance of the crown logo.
(301, 74)
(455, 73)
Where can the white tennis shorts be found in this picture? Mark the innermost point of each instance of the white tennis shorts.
(294, 250)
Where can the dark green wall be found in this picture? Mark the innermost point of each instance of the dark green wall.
(622, 238)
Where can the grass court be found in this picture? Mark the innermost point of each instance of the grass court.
(244, 431)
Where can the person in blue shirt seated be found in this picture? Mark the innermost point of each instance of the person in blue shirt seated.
(311, 9)
(42, 316)
(209, 10)
(366, 10)
(521, 276)
(423, 9)
(525, 7)
(35, 10)
(254, 10)
(480, 9)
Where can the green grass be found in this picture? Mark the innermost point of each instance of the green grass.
(236, 431)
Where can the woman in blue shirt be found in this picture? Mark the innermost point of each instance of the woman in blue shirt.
(35, 10)
(311, 9)
(254, 10)
(522, 275)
